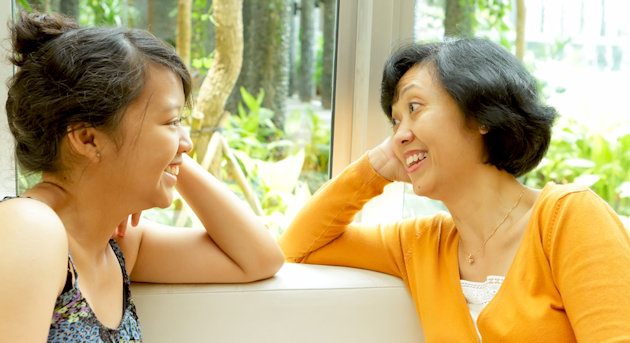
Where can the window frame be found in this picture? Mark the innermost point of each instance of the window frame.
(367, 32)
(8, 170)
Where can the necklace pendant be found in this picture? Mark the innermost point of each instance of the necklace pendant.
(470, 259)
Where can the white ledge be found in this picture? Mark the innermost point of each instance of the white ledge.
(302, 303)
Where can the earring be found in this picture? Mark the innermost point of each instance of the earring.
(98, 155)
(483, 129)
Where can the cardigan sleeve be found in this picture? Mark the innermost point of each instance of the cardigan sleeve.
(323, 232)
(589, 254)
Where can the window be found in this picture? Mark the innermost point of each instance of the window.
(578, 50)
(273, 145)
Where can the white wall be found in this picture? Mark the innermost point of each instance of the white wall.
(7, 164)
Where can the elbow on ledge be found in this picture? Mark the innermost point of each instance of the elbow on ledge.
(267, 265)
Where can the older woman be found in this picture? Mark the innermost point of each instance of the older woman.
(508, 263)
(97, 111)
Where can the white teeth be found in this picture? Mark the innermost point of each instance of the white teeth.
(174, 170)
(415, 158)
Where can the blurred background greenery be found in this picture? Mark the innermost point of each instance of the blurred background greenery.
(274, 123)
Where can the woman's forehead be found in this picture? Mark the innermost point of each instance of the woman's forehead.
(420, 76)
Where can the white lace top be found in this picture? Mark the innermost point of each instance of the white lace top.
(479, 294)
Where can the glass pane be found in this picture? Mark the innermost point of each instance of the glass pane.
(270, 141)
(578, 51)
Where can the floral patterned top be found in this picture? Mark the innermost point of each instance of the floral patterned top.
(74, 321)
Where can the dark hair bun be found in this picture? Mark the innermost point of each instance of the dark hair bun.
(33, 30)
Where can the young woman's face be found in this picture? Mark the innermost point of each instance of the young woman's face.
(148, 161)
(431, 138)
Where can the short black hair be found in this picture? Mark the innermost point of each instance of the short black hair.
(492, 87)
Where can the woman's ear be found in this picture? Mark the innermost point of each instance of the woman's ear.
(86, 141)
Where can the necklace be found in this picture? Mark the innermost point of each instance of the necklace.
(471, 255)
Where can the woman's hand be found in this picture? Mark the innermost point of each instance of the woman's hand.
(121, 229)
(385, 162)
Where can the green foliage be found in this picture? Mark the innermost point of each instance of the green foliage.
(492, 18)
(203, 63)
(202, 27)
(279, 163)
(27, 180)
(106, 13)
(601, 162)
(313, 135)
(253, 132)
(25, 5)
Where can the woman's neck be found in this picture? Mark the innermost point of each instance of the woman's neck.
(484, 201)
(89, 217)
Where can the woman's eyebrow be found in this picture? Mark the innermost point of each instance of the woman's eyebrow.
(407, 88)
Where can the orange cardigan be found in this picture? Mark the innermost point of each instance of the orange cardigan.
(570, 279)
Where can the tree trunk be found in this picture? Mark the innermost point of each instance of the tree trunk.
(159, 21)
(218, 84)
(149, 15)
(293, 38)
(266, 54)
(249, 36)
(328, 55)
(306, 88)
(521, 14)
(257, 42)
(69, 8)
(458, 18)
(274, 74)
(184, 22)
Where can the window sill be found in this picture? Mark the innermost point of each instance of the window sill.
(302, 303)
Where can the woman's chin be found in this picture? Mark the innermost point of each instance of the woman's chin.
(164, 201)
(419, 189)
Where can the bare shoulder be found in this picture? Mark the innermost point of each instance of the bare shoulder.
(32, 237)
(30, 218)
(33, 264)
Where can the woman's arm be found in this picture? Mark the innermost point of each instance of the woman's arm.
(234, 247)
(323, 232)
(589, 254)
(33, 262)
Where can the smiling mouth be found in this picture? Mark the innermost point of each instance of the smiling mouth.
(172, 169)
(416, 158)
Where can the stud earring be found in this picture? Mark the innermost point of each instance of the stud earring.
(98, 155)
(483, 129)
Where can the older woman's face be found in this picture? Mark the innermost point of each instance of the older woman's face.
(431, 137)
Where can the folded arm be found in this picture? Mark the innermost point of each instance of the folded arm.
(234, 246)
(324, 233)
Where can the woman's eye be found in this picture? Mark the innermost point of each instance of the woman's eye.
(414, 106)
(395, 122)
(178, 121)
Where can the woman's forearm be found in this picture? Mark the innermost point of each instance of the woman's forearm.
(229, 222)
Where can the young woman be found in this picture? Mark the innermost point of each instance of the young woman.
(97, 111)
(508, 263)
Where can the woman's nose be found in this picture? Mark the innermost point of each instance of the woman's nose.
(185, 142)
(403, 135)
